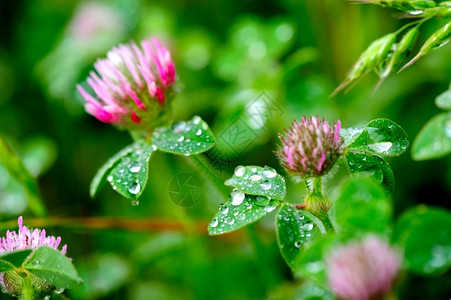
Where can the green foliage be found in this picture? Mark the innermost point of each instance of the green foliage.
(240, 210)
(385, 55)
(372, 166)
(184, 138)
(425, 235)
(294, 231)
(366, 148)
(53, 267)
(12, 260)
(434, 139)
(12, 162)
(255, 180)
(362, 207)
(127, 171)
(381, 137)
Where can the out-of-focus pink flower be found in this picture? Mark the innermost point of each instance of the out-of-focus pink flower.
(93, 18)
(28, 239)
(131, 85)
(310, 147)
(363, 270)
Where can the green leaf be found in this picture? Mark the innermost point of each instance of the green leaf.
(52, 266)
(255, 180)
(129, 176)
(372, 166)
(438, 39)
(425, 234)
(294, 231)
(434, 139)
(102, 173)
(240, 210)
(444, 100)
(349, 135)
(312, 291)
(12, 162)
(13, 259)
(362, 206)
(383, 137)
(6, 266)
(192, 137)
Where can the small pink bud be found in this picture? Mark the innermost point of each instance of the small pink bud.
(363, 270)
(310, 147)
(130, 80)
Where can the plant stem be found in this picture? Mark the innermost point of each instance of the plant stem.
(318, 204)
(327, 223)
(27, 289)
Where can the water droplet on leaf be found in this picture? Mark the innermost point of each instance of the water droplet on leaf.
(269, 172)
(237, 197)
(135, 167)
(239, 171)
(214, 222)
(134, 188)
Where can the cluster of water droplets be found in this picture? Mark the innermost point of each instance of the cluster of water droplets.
(240, 210)
(256, 180)
(186, 138)
(130, 174)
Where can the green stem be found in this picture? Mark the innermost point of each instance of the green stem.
(210, 173)
(327, 223)
(27, 289)
(318, 204)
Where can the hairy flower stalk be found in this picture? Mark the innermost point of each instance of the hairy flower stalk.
(13, 283)
(131, 85)
(310, 147)
(363, 270)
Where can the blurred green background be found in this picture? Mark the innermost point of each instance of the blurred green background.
(227, 53)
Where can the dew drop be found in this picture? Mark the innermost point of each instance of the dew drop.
(134, 188)
(110, 178)
(237, 197)
(381, 147)
(254, 169)
(308, 234)
(415, 12)
(135, 202)
(239, 171)
(269, 172)
(214, 223)
(262, 200)
(224, 210)
(178, 127)
(153, 148)
(308, 226)
(241, 216)
(270, 208)
(255, 177)
(135, 167)
(199, 132)
(230, 221)
(196, 120)
(265, 185)
(297, 244)
(181, 138)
